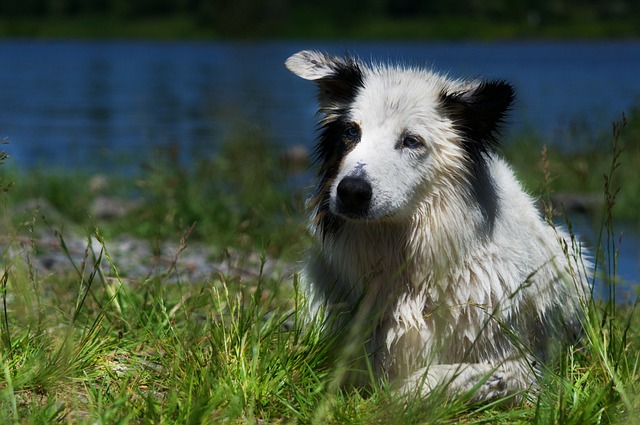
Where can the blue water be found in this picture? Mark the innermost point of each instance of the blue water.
(105, 105)
(91, 104)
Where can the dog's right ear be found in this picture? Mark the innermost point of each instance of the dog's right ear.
(338, 78)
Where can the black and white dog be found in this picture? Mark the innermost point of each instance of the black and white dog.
(425, 244)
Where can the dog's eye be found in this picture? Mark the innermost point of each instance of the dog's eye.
(411, 142)
(352, 132)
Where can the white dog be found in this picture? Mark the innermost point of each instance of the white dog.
(427, 250)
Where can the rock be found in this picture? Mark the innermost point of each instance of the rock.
(98, 183)
(109, 208)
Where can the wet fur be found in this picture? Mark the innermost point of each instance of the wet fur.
(427, 250)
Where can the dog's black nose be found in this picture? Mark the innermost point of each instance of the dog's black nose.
(354, 195)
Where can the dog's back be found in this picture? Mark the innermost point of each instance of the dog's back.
(426, 245)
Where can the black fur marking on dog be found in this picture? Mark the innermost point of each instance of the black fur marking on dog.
(478, 115)
(336, 93)
(342, 86)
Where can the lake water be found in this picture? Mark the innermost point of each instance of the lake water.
(104, 106)
(91, 104)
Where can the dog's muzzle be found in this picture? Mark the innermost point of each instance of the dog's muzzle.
(354, 196)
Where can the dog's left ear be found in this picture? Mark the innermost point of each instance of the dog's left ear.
(338, 78)
(479, 112)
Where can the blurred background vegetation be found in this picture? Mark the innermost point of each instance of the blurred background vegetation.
(441, 19)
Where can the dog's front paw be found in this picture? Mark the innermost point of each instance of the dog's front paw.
(502, 384)
(475, 382)
(494, 388)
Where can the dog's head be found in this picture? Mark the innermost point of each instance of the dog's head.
(393, 138)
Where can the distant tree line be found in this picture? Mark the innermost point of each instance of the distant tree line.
(256, 16)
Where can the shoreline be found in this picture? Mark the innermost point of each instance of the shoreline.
(61, 250)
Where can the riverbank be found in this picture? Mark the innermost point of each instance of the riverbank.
(58, 249)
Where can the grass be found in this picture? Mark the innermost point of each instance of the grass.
(88, 345)
(83, 348)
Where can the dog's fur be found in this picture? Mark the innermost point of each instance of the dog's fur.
(426, 246)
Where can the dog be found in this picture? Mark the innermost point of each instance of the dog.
(427, 251)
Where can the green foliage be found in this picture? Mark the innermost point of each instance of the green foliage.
(580, 173)
(66, 191)
(4, 187)
(239, 197)
(306, 18)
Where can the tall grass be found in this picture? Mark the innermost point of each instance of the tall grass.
(85, 345)
(599, 381)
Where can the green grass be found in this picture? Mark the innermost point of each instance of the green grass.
(88, 346)
(85, 348)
